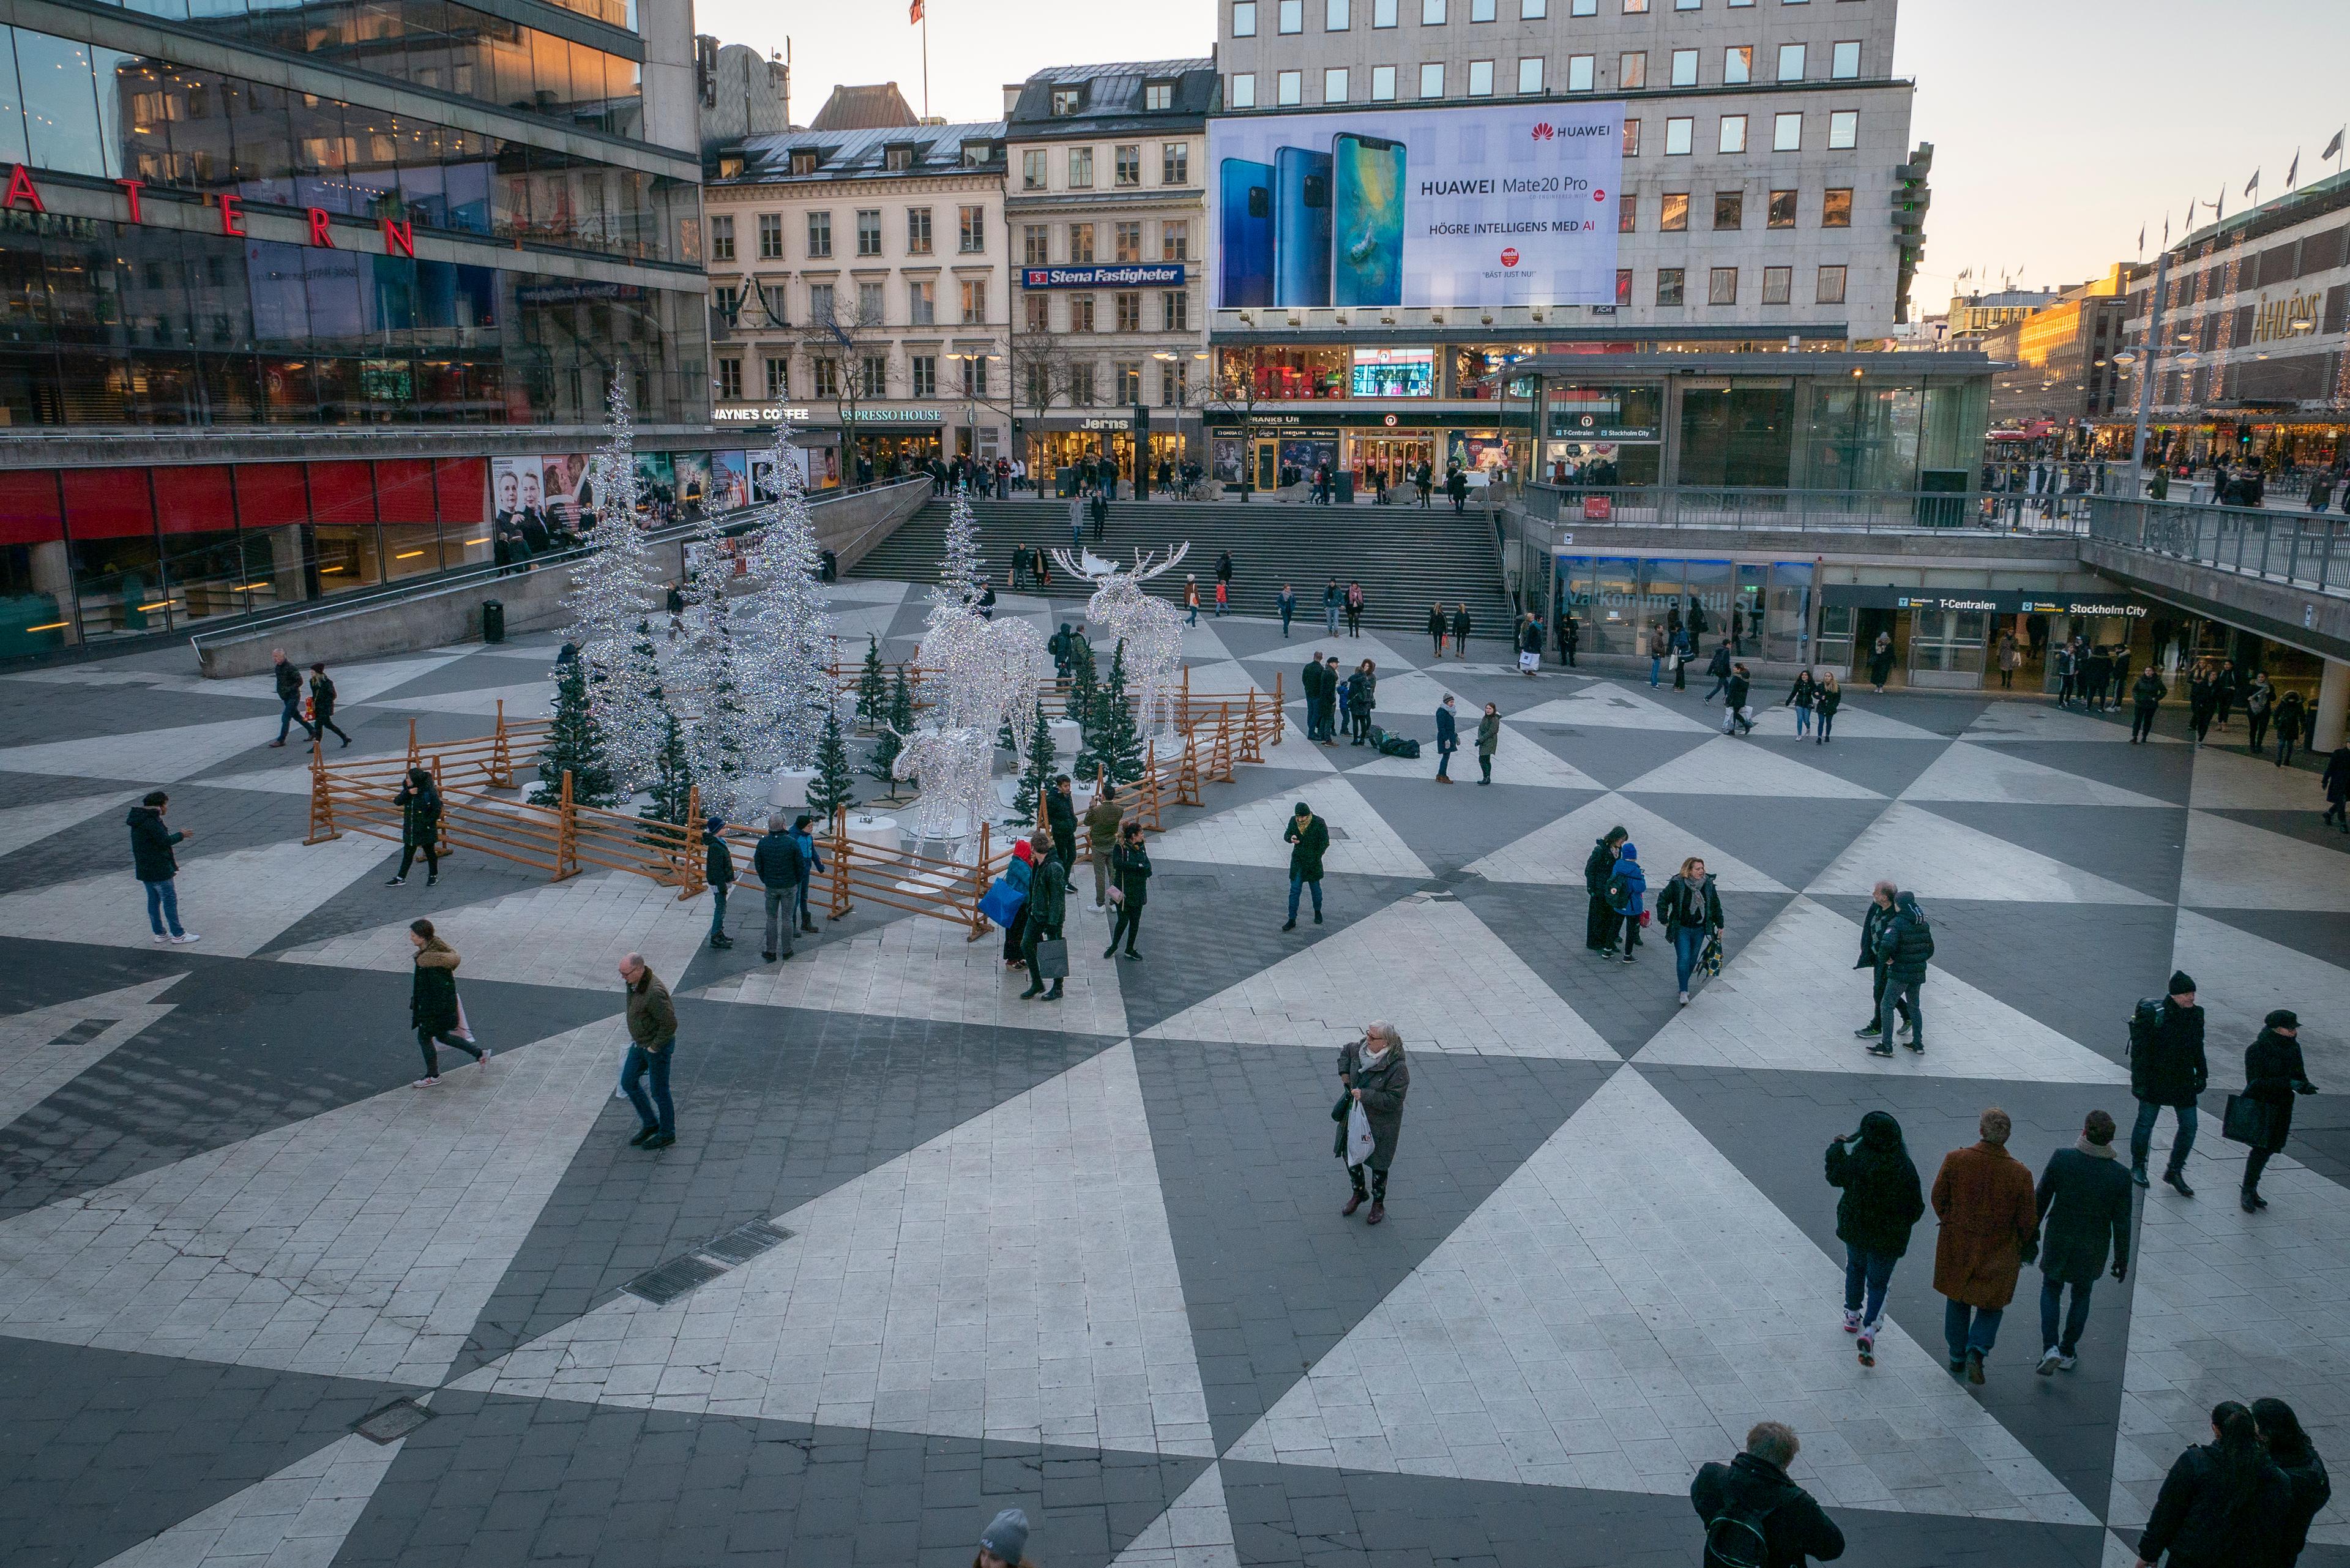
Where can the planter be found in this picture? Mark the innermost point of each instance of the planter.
(788, 792)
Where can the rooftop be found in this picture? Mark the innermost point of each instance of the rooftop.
(864, 154)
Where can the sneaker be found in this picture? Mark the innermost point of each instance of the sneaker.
(2048, 1361)
(1851, 1320)
(2066, 1363)
(162, 941)
(1880, 1049)
(1098, 907)
(1684, 999)
(664, 1140)
(397, 882)
(485, 1056)
(1918, 1046)
(186, 936)
(425, 1084)
(1869, 1033)
(1867, 1346)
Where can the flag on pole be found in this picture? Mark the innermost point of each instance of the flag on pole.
(2293, 170)
(2141, 239)
(2333, 147)
(2166, 231)
(2253, 183)
(914, 13)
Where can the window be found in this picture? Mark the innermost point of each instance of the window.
(827, 378)
(868, 231)
(1292, 16)
(1157, 97)
(1632, 70)
(1244, 93)
(1678, 133)
(1623, 285)
(1035, 245)
(1335, 15)
(1175, 310)
(727, 302)
(1039, 310)
(1175, 240)
(1836, 209)
(1431, 80)
(897, 159)
(972, 229)
(1672, 216)
(730, 380)
(1081, 380)
(975, 302)
(925, 368)
(1781, 215)
(1734, 133)
(918, 231)
(1334, 85)
(1125, 240)
(1729, 209)
(874, 375)
(1578, 74)
(1081, 167)
(1738, 65)
(1628, 212)
(1843, 128)
(1721, 286)
(1831, 290)
(1040, 385)
(1031, 170)
(819, 231)
(921, 302)
(1776, 281)
(803, 161)
(1431, 13)
(1289, 88)
(1535, 10)
(820, 308)
(1383, 13)
(1170, 384)
(1129, 380)
(868, 302)
(779, 377)
(1669, 280)
(1635, 7)
(1130, 311)
(1081, 244)
(1174, 163)
(1481, 78)
(1481, 10)
(974, 375)
(1383, 83)
(771, 236)
(1787, 132)
(1790, 62)
(1844, 64)
(722, 239)
(1067, 102)
(1243, 18)
(1631, 139)
(977, 154)
(1125, 164)
(1684, 67)
(1081, 313)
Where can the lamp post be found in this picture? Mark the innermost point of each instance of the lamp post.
(970, 362)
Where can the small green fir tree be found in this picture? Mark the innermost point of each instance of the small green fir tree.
(900, 723)
(872, 686)
(672, 790)
(831, 787)
(1084, 680)
(1111, 741)
(575, 744)
(1037, 776)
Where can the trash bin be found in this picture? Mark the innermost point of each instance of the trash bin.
(493, 620)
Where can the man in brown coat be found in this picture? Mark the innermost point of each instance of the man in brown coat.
(1990, 1229)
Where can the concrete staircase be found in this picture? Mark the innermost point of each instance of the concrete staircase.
(1406, 559)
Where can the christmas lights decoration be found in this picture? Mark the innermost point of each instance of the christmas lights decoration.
(718, 739)
(790, 687)
(981, 675)
(954, 766)
(1147, 626)
(609, 603)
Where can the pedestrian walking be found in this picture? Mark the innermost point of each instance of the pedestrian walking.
(1019, 873)
(2336, 783)
(2146, 696)
(1736, 716)
(1599, 925)
(1077, 518)
(803, 839)
(2067, 670)
(1224, 573)
(1719, 666)
(2289, 723)
(777, 862)
(1448, 738)
(1362, 699)
(2083, 1203)
(1191, 596)
(1286, 601)
(2258, 703)
(1755, 1516)
(1903, 942)
(1824, 704)
(1880, 662)
(1990, 1229)
(2291, 1451)
(653, 1044)
(2224, 1504)
(322, 706)
(1459, 630)
(156, 866)
(2274, 1075)
(1353, 609)
(1005, 1544)
(1530, 642)
(1627, 895)
(1099, 507)
(289, 697)
(1800, 697)
(1570, 637)
(1334, 600)
(2226, 690)
(1308, 838)
(1040, 920)
(1882, 1203)
(2166, 1068)
(419, 801)
(2202, 703)
(433, 1009)
(1691, 912)
(1375, 1077)
(718, 870)
(1489, 739)
(2011, 659)
(1129, 866)
(1437, 623)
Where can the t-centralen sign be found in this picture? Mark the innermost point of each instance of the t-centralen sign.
(1472, 207)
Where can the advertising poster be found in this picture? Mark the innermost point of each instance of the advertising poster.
(656, 487)
(1508, 204)
(570, 499)
(764, 488)
(693, 471)
(730, 482)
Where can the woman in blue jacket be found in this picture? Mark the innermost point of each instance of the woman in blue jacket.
(1635, 882)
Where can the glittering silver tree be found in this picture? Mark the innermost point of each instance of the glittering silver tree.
(786, 686)
(610, 606)
(708, 667)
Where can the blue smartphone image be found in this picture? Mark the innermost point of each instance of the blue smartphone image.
(1300, 226)
(1367, 220)
(1245, 244)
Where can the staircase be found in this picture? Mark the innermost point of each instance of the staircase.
(1406, 559)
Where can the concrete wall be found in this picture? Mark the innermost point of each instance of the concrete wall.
(849, 525)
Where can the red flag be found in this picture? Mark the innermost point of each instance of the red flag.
(914, 13)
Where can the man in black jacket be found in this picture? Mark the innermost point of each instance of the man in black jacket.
(2146, 696)
(2085, 1206)
(1872, 928)
(1310, 684)
(780, 868)
(718, 870)
(1906, 943)
(2274, 1075)
(289, 697)
(1599, 926)
(1719, 667)
(1061, 816)
(1751, 1495)
(1734, 698)
(152, 862)
(1048, 908)
(2166, 1068)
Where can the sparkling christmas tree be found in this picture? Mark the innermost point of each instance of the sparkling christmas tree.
(787, 687)
(717, 735)
(635, 711)
(611, 601)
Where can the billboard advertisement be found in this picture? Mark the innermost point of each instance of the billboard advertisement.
(1506, 205)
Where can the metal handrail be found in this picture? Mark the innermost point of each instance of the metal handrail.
(2301, 549)
(1785, 508)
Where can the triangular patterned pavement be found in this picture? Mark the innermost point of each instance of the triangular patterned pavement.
(2230, 781)
(1613, 757)
(2165, 772)
(1554, 854)
(1725, 765)
(1515, 762)
(1250, 834)
(46, 1049)
(2138, 847)
(1459, 824)
(2041, 721)
(151, 756)
(1196, 1531)
(303, 1512)
(2233, 865)
(1968, 772)
(24, 825)
(1932, 856)
(1612, 705)
(2259, 976)
(1784, 841)
(236, 900)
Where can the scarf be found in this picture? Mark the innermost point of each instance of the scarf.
(2094, 1150)
(1377, 1059)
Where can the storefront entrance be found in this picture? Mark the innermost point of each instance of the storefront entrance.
(1398, 457)
(880, 457)
(1050, 452)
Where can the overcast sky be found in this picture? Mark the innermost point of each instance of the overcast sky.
(2060, 127)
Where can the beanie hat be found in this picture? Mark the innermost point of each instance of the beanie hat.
(1304, 809)
(1007, 1535)
(2282, 1018)
(2181, 982)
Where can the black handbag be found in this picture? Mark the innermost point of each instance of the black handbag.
(2246, 1121)
(1052, 960)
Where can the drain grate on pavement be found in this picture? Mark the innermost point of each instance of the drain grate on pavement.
(745, 1243)
(83, 1033)
(392, 1422)
(673, 1278)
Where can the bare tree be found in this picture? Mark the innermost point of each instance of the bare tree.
(1232, 394)
(841, 336)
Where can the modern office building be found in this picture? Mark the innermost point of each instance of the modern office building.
(1974, 315)
(2054, 365)
(283, 279)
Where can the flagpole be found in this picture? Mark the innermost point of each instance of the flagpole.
(926, 64)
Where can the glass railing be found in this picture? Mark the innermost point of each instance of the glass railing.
(1838, 511)
(2304, 549)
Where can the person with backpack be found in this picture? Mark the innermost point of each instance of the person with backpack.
(1627, 895)
(2274, 1075)
(1882, 1202)
(2084, 1198)
(2166, 1068)
(1448, 738)
(2291, 1451)
(1755, 1516)
(1990, 1229)
(289, 697)
(1736, 716)
(322, 706)
(1719, 667)
(1308, 838)
(1905, 942)
(419, 827)
(1599, 925)
(777, 863)
(1873, 922)
(1691, 912)
(2224, 1503)
(1362, 697)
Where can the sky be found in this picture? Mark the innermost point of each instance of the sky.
(2061, 127)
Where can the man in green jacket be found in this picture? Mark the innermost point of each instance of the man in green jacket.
(652, 1041)
(1308, 838)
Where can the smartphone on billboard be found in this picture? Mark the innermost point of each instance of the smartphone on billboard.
(1300, 226)
(1246, 242)
(1367, 220)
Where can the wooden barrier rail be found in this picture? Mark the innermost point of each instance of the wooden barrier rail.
(482, 762)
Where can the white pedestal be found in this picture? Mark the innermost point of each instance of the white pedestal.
(789, 791)
(876, 838)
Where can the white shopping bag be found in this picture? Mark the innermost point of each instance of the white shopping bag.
(1527, 663)
(1358, 1135)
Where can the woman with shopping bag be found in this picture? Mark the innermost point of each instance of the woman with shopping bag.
(1006, 900)
(1370, 1112)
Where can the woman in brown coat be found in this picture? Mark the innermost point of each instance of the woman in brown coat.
(1990, 1229)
